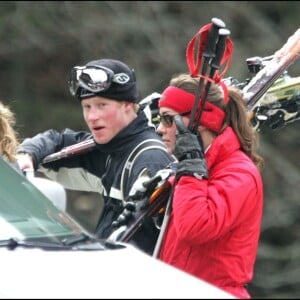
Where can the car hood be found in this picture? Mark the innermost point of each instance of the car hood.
(118, 273)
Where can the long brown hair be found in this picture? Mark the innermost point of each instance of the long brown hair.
(235, 113)
(8, 136)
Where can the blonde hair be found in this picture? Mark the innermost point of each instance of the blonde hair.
(8, 136)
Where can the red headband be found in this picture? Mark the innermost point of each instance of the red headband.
(182, 101)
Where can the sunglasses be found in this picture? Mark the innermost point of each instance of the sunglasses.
(94, 79)
(167, 120)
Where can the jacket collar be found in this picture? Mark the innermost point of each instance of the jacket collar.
(223, 145)
(127, 135)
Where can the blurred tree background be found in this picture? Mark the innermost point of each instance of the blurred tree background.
(42, 40)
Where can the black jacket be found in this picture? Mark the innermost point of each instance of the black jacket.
(100, 169)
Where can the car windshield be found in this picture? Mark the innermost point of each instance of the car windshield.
(27, 214)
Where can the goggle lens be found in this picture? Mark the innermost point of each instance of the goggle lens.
(94, 79)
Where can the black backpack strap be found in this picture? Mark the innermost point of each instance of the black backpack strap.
(140, 148)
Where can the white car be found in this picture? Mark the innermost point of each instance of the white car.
(44, 253)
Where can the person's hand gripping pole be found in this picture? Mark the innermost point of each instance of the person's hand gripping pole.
(189, 151)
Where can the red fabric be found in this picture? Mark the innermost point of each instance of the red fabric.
(201, 37)
(194, 53)
(225, 91)
(214, 226)
(182, 101)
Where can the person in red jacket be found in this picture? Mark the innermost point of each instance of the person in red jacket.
(214, 225)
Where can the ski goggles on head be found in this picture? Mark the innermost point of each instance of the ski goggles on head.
(94, 79)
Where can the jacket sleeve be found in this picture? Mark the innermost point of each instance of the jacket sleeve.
(49, 142)
(205, 210)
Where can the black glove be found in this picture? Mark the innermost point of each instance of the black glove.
(192, 167)
(189, 152)
(188, 146)
(139, 196)
(125, 216)
(138, 199)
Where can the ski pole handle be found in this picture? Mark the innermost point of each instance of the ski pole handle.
(220, 48)
(212, 38)
(215, 65)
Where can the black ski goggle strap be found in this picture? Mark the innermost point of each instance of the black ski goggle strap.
(94, 79)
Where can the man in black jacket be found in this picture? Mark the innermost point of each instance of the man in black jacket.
(108, 94)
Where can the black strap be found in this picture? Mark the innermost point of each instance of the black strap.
(140, 148)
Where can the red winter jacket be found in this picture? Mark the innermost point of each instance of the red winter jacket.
(214, 226)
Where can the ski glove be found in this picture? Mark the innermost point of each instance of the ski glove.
(125, 217)
(189, 152)
(139, 196)
(192, 167)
